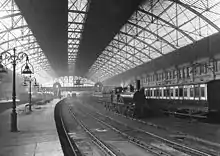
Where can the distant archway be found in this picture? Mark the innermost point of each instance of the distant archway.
(56, 85)
(57, 89)
(73, 81)
(98, 87)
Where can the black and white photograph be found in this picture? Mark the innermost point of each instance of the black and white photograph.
(109, 77)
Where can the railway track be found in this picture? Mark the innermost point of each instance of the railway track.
(149, 149)
(74, 144)
(137, 131)
(199, 144)
(108, 151)
(127, 133)
(69, 147)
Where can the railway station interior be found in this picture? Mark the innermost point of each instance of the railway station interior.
(109, 77)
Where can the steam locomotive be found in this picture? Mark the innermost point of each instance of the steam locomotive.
(200, 100)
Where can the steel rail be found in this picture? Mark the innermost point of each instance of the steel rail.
(133, 140)
(171, 143)
(96, 140)
(169, 130)
(75, 150)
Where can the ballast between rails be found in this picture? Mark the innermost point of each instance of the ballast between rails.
(95, 139)
(171, 143)
(75, 150)
(134, 140)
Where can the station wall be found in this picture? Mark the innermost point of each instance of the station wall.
(206, 48)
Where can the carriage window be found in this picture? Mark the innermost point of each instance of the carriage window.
(176, 92)
(185, 92)
(168, 92)
(155, 92)
(160, 92)
(196, 91)
(146, 92)
(202, 91)
(191, 92)
(165, 92)
(171, 92)
(181, 92)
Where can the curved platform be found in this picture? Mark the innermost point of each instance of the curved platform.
(37, 135)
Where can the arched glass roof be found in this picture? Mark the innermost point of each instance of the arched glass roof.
(157, 27)
(14, 33)
(77, 10)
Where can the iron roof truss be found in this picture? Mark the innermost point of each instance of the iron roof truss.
(77, 11)
(14, 33)
(156, 28)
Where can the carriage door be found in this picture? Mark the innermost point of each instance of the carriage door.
(213, 90)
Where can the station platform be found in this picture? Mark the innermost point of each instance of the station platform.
(36, 136)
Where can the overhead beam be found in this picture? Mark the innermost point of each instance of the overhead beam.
(151, 32)
(21, 45)
(77, 11)
(197, 13)
(126, 58)
(11, 15)
(168, 23)
(134, 48)
(127, 53)
(16, 38)
(158, 51)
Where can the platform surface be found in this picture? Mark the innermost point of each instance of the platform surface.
(37, 135)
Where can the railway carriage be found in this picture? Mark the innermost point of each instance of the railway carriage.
(187, 98)
(200, 100)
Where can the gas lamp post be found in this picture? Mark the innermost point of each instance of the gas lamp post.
(14, 59)
(30, 80)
